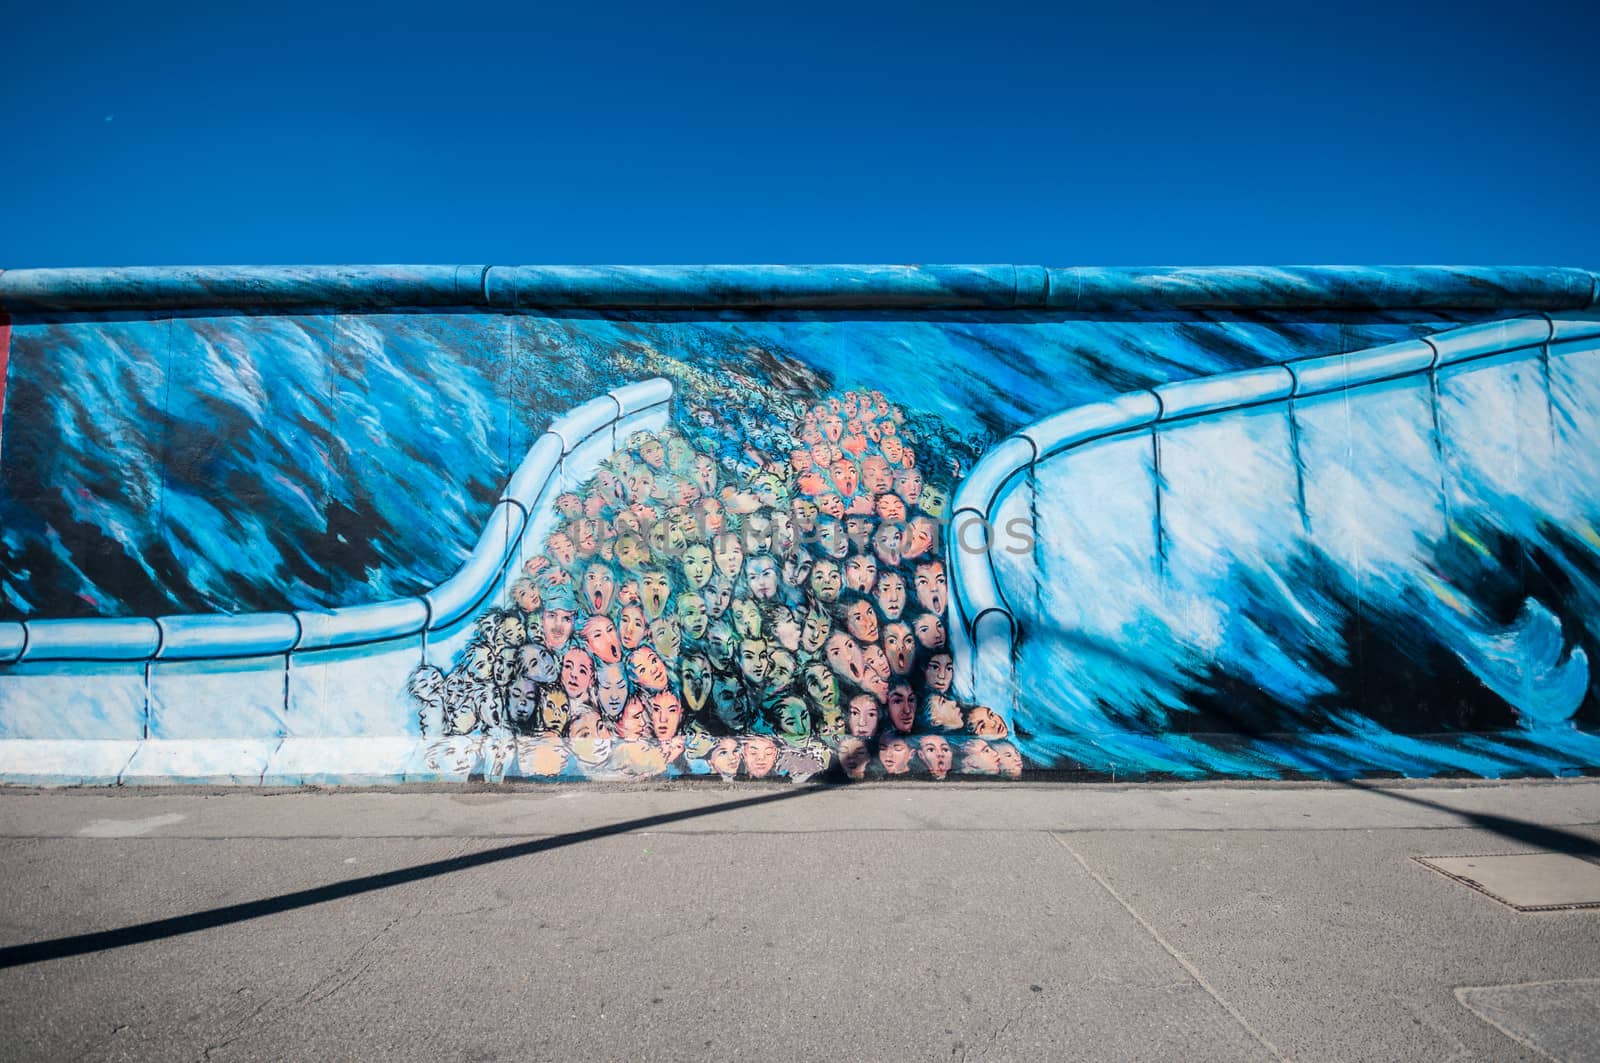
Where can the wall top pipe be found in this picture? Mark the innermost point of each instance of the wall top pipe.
(975, 287)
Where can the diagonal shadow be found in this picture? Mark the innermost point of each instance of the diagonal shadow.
(1553, 839)
(155, 930)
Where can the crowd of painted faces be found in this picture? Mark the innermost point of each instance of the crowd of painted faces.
(730, 615)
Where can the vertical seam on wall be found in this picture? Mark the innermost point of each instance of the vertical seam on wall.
(1438, 434)
(1294, 456)
(161, 504)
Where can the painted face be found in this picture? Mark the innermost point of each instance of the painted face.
(632, 554)
(978, 758)
(832, 427)
(858, 527)
(875, 474)
(666, 714)
(666, 637)
(587, 538)
(608, 485)
(480, 664)
(695, 675)
(625, 523)
(892, 449)
(600, 638)
(861, 620)
(632, 626)
(821, 687)
(718, 595)
(1009, 760)
(843, 474)
(796, 568)
(667, 538)
(804, 512)
(705, 474)
(724, 757)
(862, 720)
(654, 454)
(793, 718)
(895, 756)
(522, 701)
(831, 538)
(929, 629)
(825, 581)
(886, 542)
(757, 534)
(555, 710)
(831, 505)
(692, 616)
(560, 547)
(902, 708)
(939, 672)
(783, 536)
(844, 657)
(728, 555)
(577, 673)
(641, 485)
(646, 669)
(854, 756)
(780, 669)
(632, 721)
(932, 591)
(890, 594)
(556, 624)
(708, 517)
(815, 633)
(760, 755)
(934, 752)
(786, 629)
(526, 595)
(697, 565)
(727, 701)
(761, 572)
(505, 665)
(611, 688)
(746, 618)
(986, 723)
(754, 658)
(720, 638)
(943, 712)
(654, 590)
(890, 508)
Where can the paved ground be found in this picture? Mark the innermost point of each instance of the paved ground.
(954, 922)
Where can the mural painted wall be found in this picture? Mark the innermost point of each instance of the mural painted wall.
(342, 545)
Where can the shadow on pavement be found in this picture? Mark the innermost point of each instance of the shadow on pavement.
(98, 941)
(1552, 839)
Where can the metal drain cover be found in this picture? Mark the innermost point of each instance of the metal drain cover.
(1528, 882)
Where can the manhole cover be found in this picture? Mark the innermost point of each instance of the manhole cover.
(1528, 882)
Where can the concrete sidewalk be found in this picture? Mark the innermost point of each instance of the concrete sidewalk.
(864, 922)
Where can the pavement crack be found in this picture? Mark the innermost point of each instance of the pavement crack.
(1183, 961)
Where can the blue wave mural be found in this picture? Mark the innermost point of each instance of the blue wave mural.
(1395, 576)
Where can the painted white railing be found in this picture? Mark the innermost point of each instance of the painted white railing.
(985, 628)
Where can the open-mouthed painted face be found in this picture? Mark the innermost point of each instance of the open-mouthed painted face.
(600, 638)
(935, 753)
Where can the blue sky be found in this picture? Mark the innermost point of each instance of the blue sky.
(821, 132)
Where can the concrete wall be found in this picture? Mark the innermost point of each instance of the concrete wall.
(333, 525)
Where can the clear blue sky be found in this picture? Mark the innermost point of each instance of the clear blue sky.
(153, 133)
